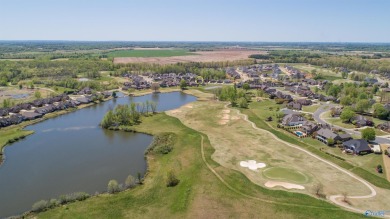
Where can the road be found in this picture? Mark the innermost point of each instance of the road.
(326, 107)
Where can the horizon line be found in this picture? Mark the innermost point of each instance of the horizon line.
(195, 41)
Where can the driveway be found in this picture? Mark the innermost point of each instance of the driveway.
(326, 107)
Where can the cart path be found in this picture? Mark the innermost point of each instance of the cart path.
(333, 198)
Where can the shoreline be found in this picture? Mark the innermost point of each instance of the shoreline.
(24, 124)
(147, 155)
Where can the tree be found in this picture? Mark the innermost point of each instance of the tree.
(139, 177)
(183, 84)
(347, 115)
(316, 89)
(346, 101)
(130, 181)
(153, 106)
(344, 75)
(155, 87)
(330, 141)
(246, 86)
(319, 190)
(242, 102)
(368, 134)
(172, 180)
(37, 94)
(114, 94)
(7, 103)
(362, 105)
(380, 111)
(20, 86)
(113, 186)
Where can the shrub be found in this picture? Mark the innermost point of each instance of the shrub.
(39, 206)
(171, 179)
(162, 143)
(77, 196)
(53, 203)
(130, 181)
(379, 168)
(242, 102)
(113, 186)
(164, 149)
(330, 142)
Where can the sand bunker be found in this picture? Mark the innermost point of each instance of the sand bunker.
(271, 184)
(225, 117)
(252, 164)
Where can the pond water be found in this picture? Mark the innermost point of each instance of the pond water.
(20, 96)
(71, 153)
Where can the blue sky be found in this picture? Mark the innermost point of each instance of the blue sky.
(197, 20)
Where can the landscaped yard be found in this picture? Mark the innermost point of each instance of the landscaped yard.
(311, 108)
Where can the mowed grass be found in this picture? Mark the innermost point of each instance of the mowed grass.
(285, 174)
(10, 134)
(200, 194)
(258, 113)
(311, 108)
(148, 53)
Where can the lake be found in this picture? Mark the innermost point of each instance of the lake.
(71, 153)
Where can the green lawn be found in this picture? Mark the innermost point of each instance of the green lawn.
(11, 134)
(311, 109)
(326, 73)
(148, 53)
(290, 175)
(200, 193)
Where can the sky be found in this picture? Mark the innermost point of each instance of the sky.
(196, 20)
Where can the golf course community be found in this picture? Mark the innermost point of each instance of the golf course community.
(194, 109)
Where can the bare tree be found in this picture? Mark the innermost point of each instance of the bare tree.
(345, 198)
(155, 87)
(319, 190)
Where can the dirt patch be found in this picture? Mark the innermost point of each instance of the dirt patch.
(209, 56)
(271, 184)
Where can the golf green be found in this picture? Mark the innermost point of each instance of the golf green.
(285, 174)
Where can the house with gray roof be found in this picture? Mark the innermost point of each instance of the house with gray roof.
(325, 134)
(357, 146)
(293, 120)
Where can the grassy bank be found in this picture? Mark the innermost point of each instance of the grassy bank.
(199, 194)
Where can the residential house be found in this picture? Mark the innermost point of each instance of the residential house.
(384, 126)
(30, 115)
(345, 137)
(357, 146)
(325, 134)
(294, 106)
(361, 121)
(304, 102)
(309, 127)
(293, 120)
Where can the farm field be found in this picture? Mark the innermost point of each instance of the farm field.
(209, 56)
(148, 53)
